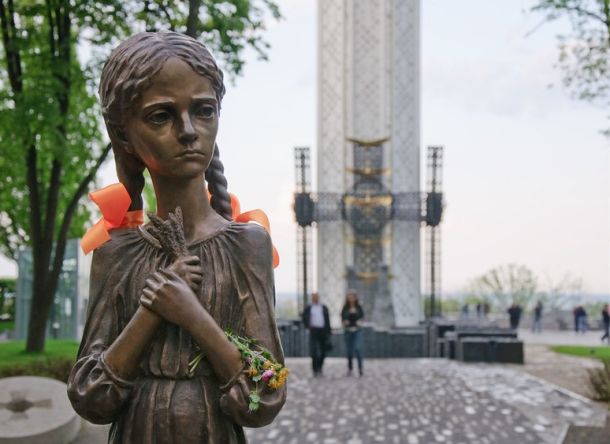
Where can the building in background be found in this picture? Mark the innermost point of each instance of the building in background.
(69, 311)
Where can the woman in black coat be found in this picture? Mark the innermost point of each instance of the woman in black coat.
(351, 315)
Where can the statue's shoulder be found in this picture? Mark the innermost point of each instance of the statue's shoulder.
(252, 236)
(122, 241)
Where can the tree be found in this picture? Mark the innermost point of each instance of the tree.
(584, 54)
(50, 141)
(505, 285)
(561, 294)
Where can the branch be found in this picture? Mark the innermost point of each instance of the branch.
(13, 29)
(167, 16)
(193, 18)
(13, 59)
(51, 28)
(32, 185)
(578, 10)
(607, 14)
(52, 201)
(63, 75)
(71, 209)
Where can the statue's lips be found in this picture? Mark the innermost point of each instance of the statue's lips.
(191, 153)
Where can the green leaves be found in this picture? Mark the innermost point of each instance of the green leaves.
(48, 97)
(51, 142)
(255, 400)
(584, 54)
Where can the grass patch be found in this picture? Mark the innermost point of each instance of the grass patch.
(7, 326)
(13, 352)
(583, 351)
(55, 362)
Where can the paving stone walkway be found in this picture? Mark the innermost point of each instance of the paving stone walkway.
(569, 372)
(422, 401)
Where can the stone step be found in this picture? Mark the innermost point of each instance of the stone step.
(588, 435)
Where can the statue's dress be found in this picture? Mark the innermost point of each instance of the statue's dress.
(164, 405)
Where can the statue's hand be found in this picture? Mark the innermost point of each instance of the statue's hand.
(168, 295)
(189, 269)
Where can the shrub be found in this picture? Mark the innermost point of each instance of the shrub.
(55, 368)
(599, 380)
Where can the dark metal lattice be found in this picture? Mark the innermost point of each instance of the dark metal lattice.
(304, 211)
(433, 216)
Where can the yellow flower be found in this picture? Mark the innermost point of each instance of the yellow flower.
(267, 365)
(252, 372)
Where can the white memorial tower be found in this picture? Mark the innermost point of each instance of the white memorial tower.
(368, 95)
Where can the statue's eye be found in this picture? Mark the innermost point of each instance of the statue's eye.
(159, 117)
(205, 111)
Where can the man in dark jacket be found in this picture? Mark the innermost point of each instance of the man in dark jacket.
(514, 314)
(606, 321)
(317, 320)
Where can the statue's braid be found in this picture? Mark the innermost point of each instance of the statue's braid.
(217, 186)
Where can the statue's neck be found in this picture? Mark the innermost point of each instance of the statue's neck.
(200, 219)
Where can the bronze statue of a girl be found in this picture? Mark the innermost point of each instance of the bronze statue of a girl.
(164, 292)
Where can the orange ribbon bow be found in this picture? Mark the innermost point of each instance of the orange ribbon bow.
(114, 201)
(257, 216)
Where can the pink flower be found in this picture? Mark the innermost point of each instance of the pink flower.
(268, 374)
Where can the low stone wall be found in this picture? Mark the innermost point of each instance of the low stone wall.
(376, 343)
(435, 340)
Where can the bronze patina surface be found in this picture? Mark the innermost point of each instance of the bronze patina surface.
(161, 293)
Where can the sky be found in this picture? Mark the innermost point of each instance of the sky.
(526, 174)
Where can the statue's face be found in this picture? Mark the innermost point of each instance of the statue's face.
(173, 126)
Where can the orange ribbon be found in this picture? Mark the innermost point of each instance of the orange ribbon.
(114, 201)
(257, 216)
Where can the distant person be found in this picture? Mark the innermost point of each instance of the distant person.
(537, 324)
(317, 320)
(351, 315)
(479, 311)
(514, 314)
(576, 314)
(486, 309)
(606, 321)
(583, 320)
(465, 311)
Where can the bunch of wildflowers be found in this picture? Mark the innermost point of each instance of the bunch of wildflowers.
(260, 367)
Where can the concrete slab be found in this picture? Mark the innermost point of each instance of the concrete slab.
(36, 410)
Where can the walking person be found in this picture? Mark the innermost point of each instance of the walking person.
(537, 324)
(514, 313)
(583, 321)
(486, 309)
(351, 315)
(317, 320)
(606, 321)
(576, 313)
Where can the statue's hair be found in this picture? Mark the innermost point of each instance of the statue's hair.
(129, 71)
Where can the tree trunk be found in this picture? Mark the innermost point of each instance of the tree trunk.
(192, 18)
(46, 275)
(42, 301)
